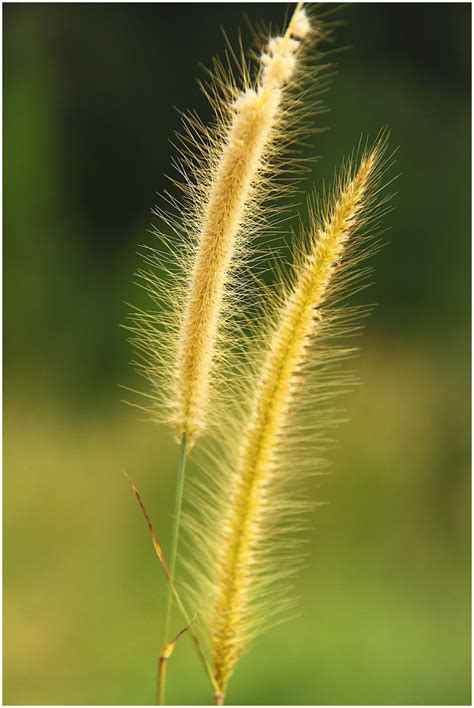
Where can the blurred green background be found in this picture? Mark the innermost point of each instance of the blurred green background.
(384, 612)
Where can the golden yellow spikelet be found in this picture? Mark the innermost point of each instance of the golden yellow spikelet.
(255, 112)
(245, 515)
(227, 170)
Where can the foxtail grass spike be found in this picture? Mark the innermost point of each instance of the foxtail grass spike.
(250, 539)
(227, 171)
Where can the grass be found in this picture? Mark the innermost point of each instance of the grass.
(384, 611)
(244, 512)
(395, 532)
(224, 172)
(253, 548)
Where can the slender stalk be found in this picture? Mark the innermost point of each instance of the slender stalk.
(161, 681)
(169, 646)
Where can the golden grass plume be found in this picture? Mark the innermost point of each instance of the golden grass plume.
(248, 509)
(226, 171)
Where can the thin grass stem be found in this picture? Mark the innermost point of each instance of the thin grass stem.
(169, 647)
(161, 680)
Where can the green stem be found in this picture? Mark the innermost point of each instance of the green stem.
(161, 684)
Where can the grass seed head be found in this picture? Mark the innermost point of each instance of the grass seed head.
(227, 172)
(255, 507)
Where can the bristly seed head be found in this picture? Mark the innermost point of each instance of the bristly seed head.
(254, 506)
(230, 175)
(257, 114)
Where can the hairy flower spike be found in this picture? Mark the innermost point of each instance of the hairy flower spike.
(256, 114)
(301, 26)
(228, 171)
(261, 385)
(257, 501)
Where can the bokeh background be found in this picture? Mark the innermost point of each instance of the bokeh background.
(384, 612)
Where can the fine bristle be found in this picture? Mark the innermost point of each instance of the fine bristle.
(248, 510)
(226, 172)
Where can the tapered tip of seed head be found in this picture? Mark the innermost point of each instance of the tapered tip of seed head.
(368, 163)
(373, 157)
(280, 44)
(281, 64)
(279, 60)
(300, 24)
